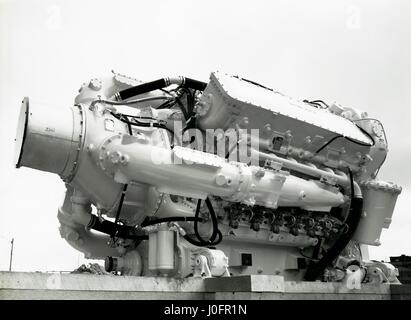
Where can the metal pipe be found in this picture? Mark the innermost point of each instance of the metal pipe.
(199, 174)
(122, 103)
(159, 84)
(11, 253)
(294, 165)
(77, 235)
(353, 219)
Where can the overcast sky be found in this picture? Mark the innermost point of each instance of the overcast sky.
(355, 52)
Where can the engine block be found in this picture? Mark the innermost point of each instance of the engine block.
(177, 177)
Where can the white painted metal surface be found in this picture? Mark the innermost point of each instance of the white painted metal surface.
(242, 92)
(121, 162)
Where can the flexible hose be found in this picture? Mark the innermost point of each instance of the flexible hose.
(213, 219)
(314, 270)
(120, 206)
(141, 88)
(200, 242)
(169, 219)
(108, 227)
(139, 123)
(216, 232)
(159, 84)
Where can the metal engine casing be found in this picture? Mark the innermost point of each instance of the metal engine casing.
(296, 130)
(296, 175)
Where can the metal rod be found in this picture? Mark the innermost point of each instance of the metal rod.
(11, 253)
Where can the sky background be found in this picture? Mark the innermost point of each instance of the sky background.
(355, 52)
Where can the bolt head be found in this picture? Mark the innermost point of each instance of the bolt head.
(220, 179)
(115, 157)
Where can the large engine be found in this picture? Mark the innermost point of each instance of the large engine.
(178, 178)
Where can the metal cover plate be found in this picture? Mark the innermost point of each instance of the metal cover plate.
(247, 93)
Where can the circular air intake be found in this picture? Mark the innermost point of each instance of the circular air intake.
(47, 138)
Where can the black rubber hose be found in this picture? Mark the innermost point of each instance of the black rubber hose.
(120, 205)
(140, 89)
(123, 194)
(170, 219)
(196, 219)
(139, 123)
(110, 228)
(314, 270)
(155, 85)
(200, 244)
(201, 241)
(214, 221)
(216, 232)
(194, 84)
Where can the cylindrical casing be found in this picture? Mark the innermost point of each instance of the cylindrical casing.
(309, 195)
(130, 264)
(172, 171)
(161, 250)
(165, 251)
(47, 138)
(379, 202)
(152, 251)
